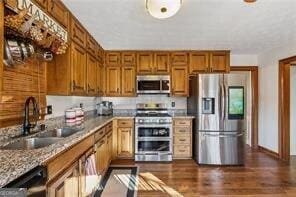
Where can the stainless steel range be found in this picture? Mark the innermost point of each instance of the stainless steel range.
(153, 133)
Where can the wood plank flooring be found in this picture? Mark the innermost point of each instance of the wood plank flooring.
(262, 175)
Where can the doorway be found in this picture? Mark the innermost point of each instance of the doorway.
(287, 108)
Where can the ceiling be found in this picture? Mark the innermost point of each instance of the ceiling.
(200, 24)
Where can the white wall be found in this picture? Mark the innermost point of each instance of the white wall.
(61, 103)
(268, 93)
(243, 60)
(293, 112)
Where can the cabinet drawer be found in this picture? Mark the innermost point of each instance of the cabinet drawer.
(182, 131)
(182, 150)
(109, 127)
(125, 123)
(182, 140)
(99, 134)
(78, 33)
(182, 123)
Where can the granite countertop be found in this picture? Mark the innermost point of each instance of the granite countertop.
(14, 163)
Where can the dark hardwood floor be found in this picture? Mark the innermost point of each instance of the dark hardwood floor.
(262, 175)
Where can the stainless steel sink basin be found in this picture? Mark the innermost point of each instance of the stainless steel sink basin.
(64, 132)
(31, 143)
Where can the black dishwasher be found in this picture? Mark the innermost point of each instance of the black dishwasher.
(34, 181)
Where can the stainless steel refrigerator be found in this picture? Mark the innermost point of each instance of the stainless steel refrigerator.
(218, 103)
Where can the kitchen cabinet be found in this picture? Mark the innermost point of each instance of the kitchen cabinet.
(128, 81)
(182, 138)
(128, 59)
(100, 79)
(67, 184)
(125, 138)
(113, 58)
(179, 58)
(91, 45)
(144, 62)
(78, 69)
(101, 155)
(91, 75)
(78, 33)
(100, 54)
(180, 81)
(109, 148)
(113, 80)
(57, 9)
(199, 62)
(161, 63)
(220, 61)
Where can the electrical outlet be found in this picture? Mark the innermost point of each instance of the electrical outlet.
(49, 109)
(173, 104)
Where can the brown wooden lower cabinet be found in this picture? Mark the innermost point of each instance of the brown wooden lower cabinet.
(125, 138)
(182, 148)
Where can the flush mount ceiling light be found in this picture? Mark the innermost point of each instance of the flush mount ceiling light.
(162, 9)
(250, 1)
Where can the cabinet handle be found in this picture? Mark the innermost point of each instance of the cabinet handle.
(182, 140)
(90, 89)
(76, 86)
(117, 90)
(182, 151)
(182, 131)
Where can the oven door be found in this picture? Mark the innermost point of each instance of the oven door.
(154, 131)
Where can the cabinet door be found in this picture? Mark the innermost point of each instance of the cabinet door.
(128, 81)
(124, 142)
(198, 62)
(180, 81)
(179, 59)
(100, 79)
(101, 156)
(91, 45)
(109, 148)
(113, 80)
(219, 61)
(144, 63)
(161, 63)
(91, 75)
(57, 9)
(66, 185)
(78, 69)
(128, 58)
(100, 54)
(78, 33)
(113, 58)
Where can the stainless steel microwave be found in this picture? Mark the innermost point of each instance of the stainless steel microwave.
(153, 84)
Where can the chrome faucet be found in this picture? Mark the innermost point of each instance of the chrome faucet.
(27, 125)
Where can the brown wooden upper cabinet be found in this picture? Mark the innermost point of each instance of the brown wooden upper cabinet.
(220, 61)
(91, 45)
(128, 59)
(209, 61)
(100, 79)
(180, 81)
(91, 75)
(144, 62)
(179, 58)
(113, 80)
(78, 69)
(161, 63)
(57, 9)
(128, 81)
(113, 58)
(78, 33)
(100, 54)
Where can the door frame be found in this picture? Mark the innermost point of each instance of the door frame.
(255, 103)
(284, 108)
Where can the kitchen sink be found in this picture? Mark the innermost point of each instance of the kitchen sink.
(31, 143)
(64, 132)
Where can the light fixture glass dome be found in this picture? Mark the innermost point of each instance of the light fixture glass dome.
(163, 8)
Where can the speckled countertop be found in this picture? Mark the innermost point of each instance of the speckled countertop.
(14, 163)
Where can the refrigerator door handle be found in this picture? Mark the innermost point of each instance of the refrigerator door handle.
(223, 102)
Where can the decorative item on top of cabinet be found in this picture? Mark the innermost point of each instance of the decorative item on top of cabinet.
(112, 58)
(180, 81)
(220, 61)
(179, 58)
(182, 138)
(199, 62)
(78, 70)
(113, 81)
(91, 75)
(78, 33)
(128, 81)
(59, 11)
(161, 63)
(144, 62)
(125, 138)
(128, 59)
